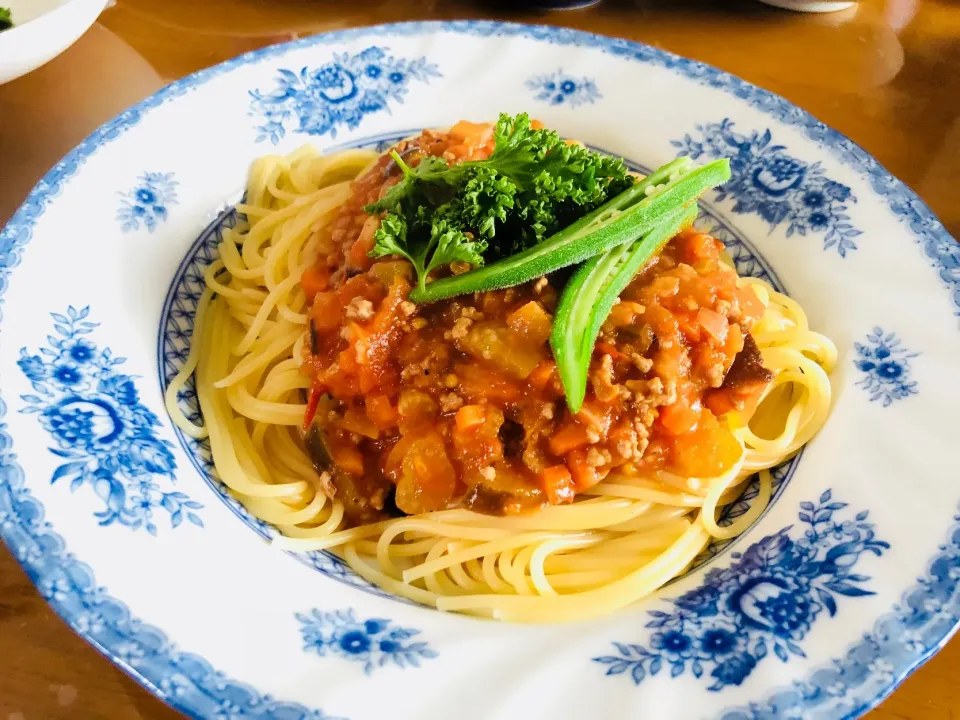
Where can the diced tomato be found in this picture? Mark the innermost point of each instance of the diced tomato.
(720, 401)
(688, 324)
(348, 458)
(359, 257)
(557, 483)
(470, 416)
(597, 415)
(706, 452)
(750, 305)
(714, 323)
(326, 312)
(569, 436)
(380, 411)
(696, 246)
(314, 279)
(744, 398)
(378, 347)
(679, 418)
(542, 375)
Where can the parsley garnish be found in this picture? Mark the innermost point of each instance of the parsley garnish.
(531, 186)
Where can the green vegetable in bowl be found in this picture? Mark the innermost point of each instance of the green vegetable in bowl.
(6, 21)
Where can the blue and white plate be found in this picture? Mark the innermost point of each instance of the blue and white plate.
(844, 586)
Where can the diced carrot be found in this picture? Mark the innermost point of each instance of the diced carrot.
(557, 483)
(570, 436)
(380, 411)
(470, 416)
(714, 323)
(314, 280)
(678, 418)
(542, 375)
(584, 475)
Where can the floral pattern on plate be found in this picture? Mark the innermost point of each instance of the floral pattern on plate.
(560, 88)
(765, 602)
(885, 364)
(106, 437)
(775, 185)
(148, 202)
(338, 94)
(373, 642)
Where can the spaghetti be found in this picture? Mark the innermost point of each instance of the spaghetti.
(621, 538)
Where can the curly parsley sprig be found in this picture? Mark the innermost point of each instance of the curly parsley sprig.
(532, 185)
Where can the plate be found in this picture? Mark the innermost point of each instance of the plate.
(846, 584)
(42, 29)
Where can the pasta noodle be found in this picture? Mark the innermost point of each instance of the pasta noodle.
(619, 541)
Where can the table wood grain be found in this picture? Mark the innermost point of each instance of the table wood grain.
(886, 73)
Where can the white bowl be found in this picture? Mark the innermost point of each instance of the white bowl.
(42, 30)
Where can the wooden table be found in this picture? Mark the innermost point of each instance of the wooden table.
(886, 73)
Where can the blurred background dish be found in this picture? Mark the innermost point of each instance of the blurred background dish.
(817, 6)
(42, 29)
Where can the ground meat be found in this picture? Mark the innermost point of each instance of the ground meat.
(603, 383)
(359, 309)
(642, 364)
(459, 329)
(450, 402)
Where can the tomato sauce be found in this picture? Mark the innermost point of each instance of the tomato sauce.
(458, 403)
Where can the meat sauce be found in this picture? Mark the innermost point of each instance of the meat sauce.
(459, 404)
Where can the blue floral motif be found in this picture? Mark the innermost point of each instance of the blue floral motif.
(559, 88)
(766, 601)
(886, 367)
(340, 93)
(104, 434)
(373, 642)
(148, 201)
(777, 187)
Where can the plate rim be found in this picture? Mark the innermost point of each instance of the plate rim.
(903, 202)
